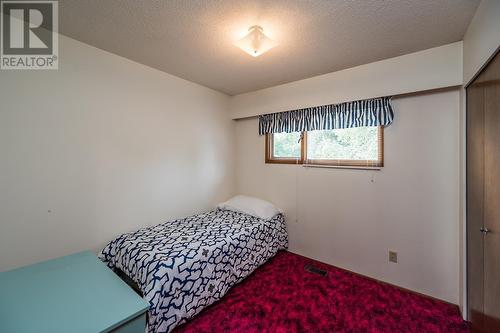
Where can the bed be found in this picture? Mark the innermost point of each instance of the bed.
(182, 266)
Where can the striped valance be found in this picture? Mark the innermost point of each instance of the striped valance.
(369, 112)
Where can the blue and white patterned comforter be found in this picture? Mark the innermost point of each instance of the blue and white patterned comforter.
(184, 265)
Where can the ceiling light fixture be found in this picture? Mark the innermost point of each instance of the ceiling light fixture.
(255, 42)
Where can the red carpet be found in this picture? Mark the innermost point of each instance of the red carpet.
(281, 296)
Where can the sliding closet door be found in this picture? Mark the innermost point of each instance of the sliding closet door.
(492, 197)
(475, 204)
(483, 199)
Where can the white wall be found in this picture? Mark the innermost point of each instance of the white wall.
(351, 218)
(482, 37)
(342, 215)
(434, 68)
(103, 146)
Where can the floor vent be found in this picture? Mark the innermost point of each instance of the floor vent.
(315, 270)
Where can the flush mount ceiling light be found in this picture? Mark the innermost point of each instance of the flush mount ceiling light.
(255, 42)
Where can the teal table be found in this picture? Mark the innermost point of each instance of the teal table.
(77, 293)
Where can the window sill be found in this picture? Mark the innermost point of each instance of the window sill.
(342, 167)
(327, 166)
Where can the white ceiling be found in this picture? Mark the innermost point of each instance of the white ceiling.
(193, 39)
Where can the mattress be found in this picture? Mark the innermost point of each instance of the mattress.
(182, 266)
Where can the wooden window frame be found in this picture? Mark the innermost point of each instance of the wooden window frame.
(360, 164)
(284, 160)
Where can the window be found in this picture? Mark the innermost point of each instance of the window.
(284, 148)
(286, 145)
(352, 147)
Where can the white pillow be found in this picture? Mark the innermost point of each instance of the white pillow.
(251, 206)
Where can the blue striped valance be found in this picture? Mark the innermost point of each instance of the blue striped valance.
(369, 112)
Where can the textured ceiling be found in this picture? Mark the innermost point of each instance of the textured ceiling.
(193, 39)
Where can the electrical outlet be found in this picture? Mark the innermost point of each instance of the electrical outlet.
(393, 256)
